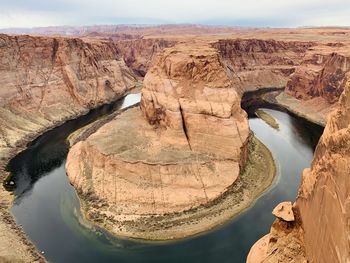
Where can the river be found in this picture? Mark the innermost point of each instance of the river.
(47, 207)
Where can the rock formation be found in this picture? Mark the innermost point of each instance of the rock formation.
(139, 54)
(320, 231)
(320, 76)
(45, 81)
(317, 82)
(170, 156)
(186, 146)
(255, 63)
(324, 191)
(284, 212)
(189, 90)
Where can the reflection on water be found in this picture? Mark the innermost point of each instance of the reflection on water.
(48, 209)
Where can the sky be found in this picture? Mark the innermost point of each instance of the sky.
(255, 13)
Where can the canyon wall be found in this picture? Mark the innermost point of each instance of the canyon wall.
(320, 75)
(45, 81)
(139, 54)
(320, 230)
(189, 89)
(255, 63)
(323, 198)
(182, 149)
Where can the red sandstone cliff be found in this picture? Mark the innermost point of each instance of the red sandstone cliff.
(45, 81)
(139, 54)
(323, 199)
(254, 63)
(320, 230)
(320, 75)
(181, 150)
(189, 88)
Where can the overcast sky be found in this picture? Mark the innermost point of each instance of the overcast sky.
(273, 13)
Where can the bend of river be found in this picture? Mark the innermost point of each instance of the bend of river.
(47, 206)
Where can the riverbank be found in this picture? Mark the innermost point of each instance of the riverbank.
(315, 110)
(177, 221)
(257, 177)
(14, 244)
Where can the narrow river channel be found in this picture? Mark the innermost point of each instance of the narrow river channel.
(47, 206)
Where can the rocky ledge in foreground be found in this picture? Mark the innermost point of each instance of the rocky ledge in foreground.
(140, 173)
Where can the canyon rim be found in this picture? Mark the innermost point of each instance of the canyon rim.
(184, 160)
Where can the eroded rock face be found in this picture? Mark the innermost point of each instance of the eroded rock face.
(323, 197)
(189, 90)
(183, 148)
(255, 63)
(320, 231)
(45, 81)
(139, 54)
(320, 75)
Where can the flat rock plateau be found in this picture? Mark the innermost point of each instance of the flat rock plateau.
(187, 149)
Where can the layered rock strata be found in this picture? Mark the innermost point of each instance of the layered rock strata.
(182, 150)
(186, 146)
(255, 63)
(324, 191)
(139, 54)
(320, 75)
(45, 81)
(320, 231)
(317, 83)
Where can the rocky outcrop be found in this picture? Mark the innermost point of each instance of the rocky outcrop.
(183, 149)
(284, 211)
(320, 230)
(255, 63)
(317, 82)
(45, 81)
(323, 198)
(320, 75)
(189, 90)
(139, 54)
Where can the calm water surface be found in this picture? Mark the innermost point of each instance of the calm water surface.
(47, 206)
